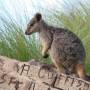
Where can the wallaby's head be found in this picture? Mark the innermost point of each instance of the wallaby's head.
(34, 24)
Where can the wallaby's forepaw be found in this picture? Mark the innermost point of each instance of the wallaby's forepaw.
(45, 56)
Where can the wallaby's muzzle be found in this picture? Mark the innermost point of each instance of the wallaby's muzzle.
(27, 33)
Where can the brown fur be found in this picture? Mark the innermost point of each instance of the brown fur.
(80, 70)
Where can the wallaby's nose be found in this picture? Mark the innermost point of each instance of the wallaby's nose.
(26, 32)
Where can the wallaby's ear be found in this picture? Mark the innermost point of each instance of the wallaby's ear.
(38, 16)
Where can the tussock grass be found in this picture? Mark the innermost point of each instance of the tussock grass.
(14, 43)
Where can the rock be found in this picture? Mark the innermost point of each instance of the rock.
(33, 75)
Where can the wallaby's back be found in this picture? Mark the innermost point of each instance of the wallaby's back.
(67, 47)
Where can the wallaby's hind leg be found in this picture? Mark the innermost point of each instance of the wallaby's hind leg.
(59, 66)
(80, 70)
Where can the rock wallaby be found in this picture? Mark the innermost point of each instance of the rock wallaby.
(63, 46)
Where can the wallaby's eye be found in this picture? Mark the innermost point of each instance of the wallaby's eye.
(32, 24)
